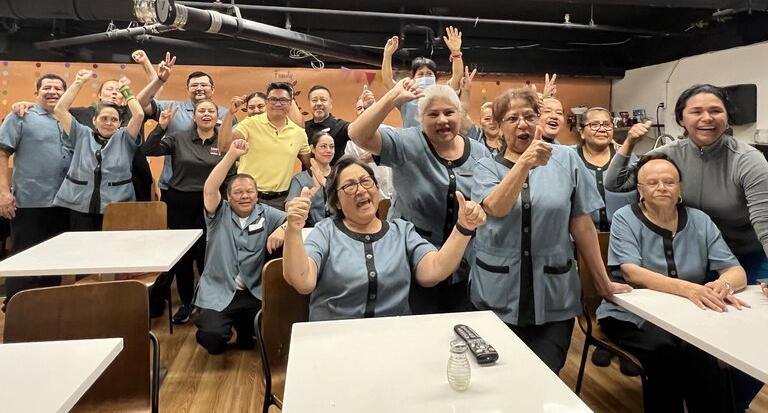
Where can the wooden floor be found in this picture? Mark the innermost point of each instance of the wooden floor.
(231, 382)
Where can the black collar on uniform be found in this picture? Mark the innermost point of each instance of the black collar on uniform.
(682, 220)
(447, 162)
(499, 158)
(357, 236)
(580, 151)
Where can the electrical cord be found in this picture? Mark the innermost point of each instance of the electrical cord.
(299, 54)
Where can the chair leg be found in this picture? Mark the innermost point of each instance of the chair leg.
(582, 365)
(169, 298)
(155, 372)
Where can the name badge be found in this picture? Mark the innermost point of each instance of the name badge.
(215, 151)
(256, 227)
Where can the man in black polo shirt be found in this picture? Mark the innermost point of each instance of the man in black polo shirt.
(321, 104)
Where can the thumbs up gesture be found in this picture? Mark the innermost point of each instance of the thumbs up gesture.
(538, 151)
(297, 209)
(471, 214)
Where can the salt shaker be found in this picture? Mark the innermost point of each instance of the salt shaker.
(458, 369)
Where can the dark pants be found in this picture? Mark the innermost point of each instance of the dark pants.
(278, 202)
(675, 370)
(141, 177)
(442, 298)
(30, 227)
(185, 211)
(214, 328)
(79, 221)
(550, 341)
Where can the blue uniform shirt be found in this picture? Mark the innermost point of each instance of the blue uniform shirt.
(363, 275)
(42, 155)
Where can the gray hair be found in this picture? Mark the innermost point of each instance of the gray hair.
(439, 91)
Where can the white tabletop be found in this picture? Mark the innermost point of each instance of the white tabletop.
(51, 376)
(736, 337)
(398, 364)
(102, 252)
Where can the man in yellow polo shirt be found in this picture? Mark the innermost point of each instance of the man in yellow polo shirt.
(275, 142)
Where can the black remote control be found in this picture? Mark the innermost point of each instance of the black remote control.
(483, 352)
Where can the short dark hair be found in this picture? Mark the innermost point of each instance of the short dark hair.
(39, 82)
(255, 94)
(280, 86)
(420, 62)
(331, 184)
(240, 176)
(319, 87)
(590, 110)
(503, 101)
(721, 94)
(199, 74)
(106, 104)
(317, 135)
(101, 86)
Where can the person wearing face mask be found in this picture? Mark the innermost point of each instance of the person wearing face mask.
(194, 154)
(423, 72)
(42, 155)
(100, 172)
(321, 104)
(725, 178)
(314, 178)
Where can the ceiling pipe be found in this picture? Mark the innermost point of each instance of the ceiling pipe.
(130, 33)
(472, 20)
(149, 11)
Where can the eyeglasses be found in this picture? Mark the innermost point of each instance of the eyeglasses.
(275, 101)
(200, 86)
(657, 184)
(529, 118)
(598, 125)
(351, 188)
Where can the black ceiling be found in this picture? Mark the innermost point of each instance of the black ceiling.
(604, 37)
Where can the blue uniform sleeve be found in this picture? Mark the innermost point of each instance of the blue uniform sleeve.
(211, 220)
(393, 146)
(274, 218)
(318, 245)
(475, 133)
(10, 132)
(416, 246)
(486, 179)
(295, 189)
(624, 247)
(79, 131)
(585, 197)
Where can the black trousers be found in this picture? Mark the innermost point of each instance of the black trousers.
(676, 371)
(214, 328)
(141, 175)
(79, 221)
(442, 298)
(30, 227)
(185, 211)
(550, 341)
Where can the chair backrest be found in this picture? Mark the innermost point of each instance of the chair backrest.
(139, 215)
(84, 311)
(282, 306)
(384, 205)
(590, 298)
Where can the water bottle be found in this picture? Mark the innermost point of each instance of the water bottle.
(458, 366)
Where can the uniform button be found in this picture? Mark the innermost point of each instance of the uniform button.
(599, 169)
(368, 256)
(450, 163)
(600, 182)
(367, 237)
(669, 252)
(451, 196)
(526, 253)
(526, 229)
(450, 210)
(527, 206)
(372, 296)
(372, 274)
(453, 176)
(525, 185)
(673, 272)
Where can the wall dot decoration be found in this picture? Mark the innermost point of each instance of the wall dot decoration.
(65, 75)
(37, 74)
(5, 63)
(67, 65)
(5, 102)
(5, 82)
(5, 73)
(38, 64)
(95, 66)
(122, 67)
(94, 85)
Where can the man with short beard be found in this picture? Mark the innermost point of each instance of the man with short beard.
(321, 104)
(42, 156)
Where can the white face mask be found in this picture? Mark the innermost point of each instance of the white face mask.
(424, 82)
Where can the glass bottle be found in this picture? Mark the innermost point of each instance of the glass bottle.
(458, 366)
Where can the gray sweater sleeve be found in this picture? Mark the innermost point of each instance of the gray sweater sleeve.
(620, 176)
(753, 175)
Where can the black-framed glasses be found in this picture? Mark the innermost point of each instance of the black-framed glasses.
(529, 118)
(351, 188)
(597, 125)
(275, 101)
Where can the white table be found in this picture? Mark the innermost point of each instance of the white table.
(398, 364)
(736, 337)
(51, 376)
(102, 252)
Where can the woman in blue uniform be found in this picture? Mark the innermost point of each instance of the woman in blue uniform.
(537, 196)
(100, 172)
(659, 243)
(429, 164)
(323, 147)
(357, 265)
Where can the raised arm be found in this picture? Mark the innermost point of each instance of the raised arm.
(153, 87)
(226, 134)
(61, 110)
(585, 236)
(466, 88)
(299, 270)
(154, 145)
(439, 265)
(294, 114)
(364, 131)
(211, 194)
(620, 176)
(452, 40)
(137, 113)
(387, 77)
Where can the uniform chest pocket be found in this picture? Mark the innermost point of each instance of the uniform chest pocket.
(558, 269)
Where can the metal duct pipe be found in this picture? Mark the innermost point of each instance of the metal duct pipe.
(133, 32)
(147, 11)
(210, 21)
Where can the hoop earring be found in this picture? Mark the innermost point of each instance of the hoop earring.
(642, 201)
(680, 199)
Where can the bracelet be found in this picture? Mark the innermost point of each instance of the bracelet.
(130, 98)
(464, 231)
(454, 56)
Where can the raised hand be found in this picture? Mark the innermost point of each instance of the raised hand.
(165, 67)
(406, 90)
(550, 88)
(452, 39)
(235, 103)
(367, 97)
(391, 47)
(140, 57)
(317, 176)
(638, 130)
(471, 214)
(297, 209)
(123, 81)
(466, 80)
(238, 147)
(166, 116)
(83, 75)
(538, 152)
(21, 108)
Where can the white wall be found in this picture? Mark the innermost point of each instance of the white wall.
(646, 87)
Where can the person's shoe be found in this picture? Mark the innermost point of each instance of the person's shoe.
(601, 357)
(628, 369)
(183, 313)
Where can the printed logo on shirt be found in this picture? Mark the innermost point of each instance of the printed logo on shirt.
(257, 227)
(215, 151)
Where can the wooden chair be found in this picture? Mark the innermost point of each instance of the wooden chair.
(384, 205)
(593, 335)
(97, 310)
(281, 307)
(124, 216)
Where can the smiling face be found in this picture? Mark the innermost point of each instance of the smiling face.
(597, 140)
(321, 103)
(552, 118)
(49, 93)
(323, 150)
(704, 118)
(110, 92)
(200, 88)
(278, 104)
(361, 206)
(658, 184)
(256, 106)
(441, 120)
(519, 133)
(206, 115)
(490, 127)
(106, 122)
(242, 196)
